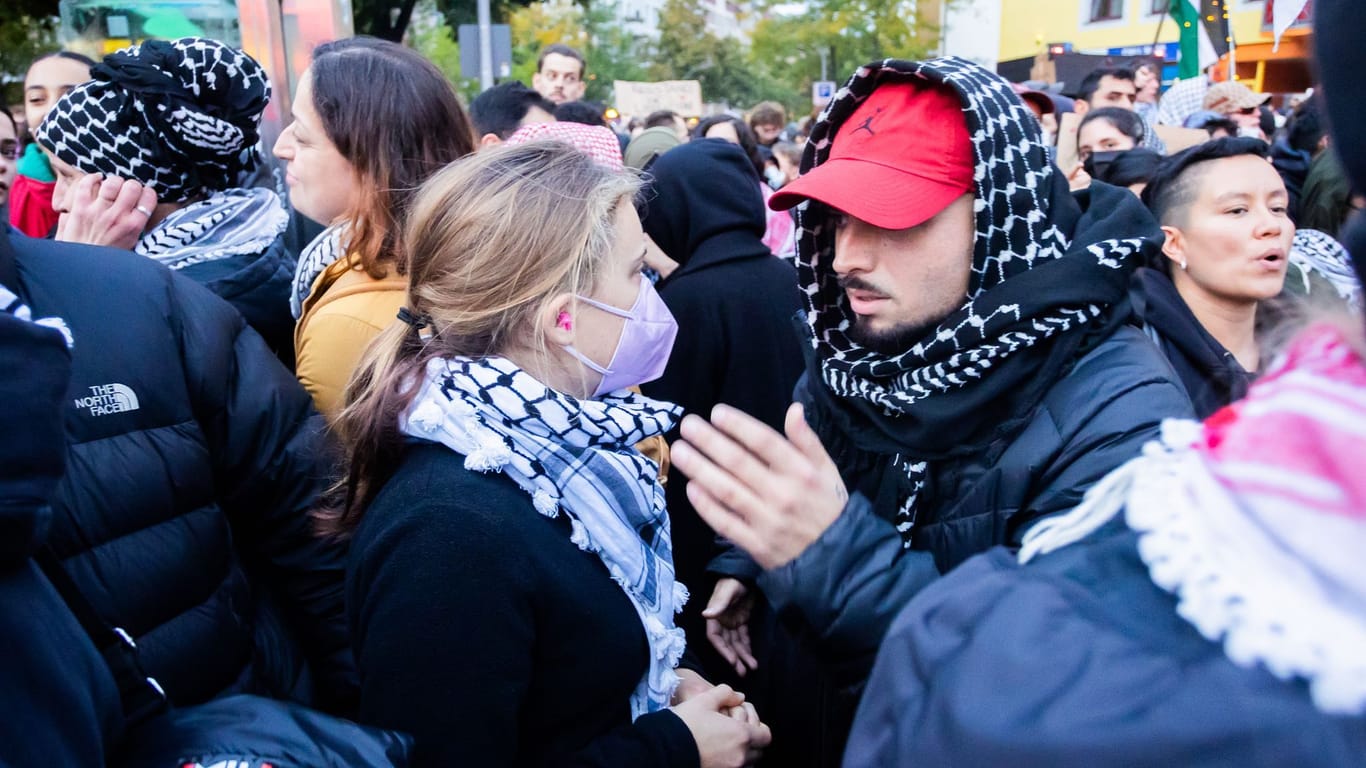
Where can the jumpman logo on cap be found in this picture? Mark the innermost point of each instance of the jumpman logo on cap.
(868, 123)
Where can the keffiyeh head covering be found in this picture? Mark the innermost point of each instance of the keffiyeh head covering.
(1048, 281)
(1256, 519)
(182, 117)
(597, 142)
(1319, 253)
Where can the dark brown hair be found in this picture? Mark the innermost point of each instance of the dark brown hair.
(562, 50)
(396, 119)
(768, 113)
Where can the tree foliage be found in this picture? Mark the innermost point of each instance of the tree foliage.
(28, 29)
(430, 35)
(780, 62)
(850, 32)
(611, 53)
(389, 19)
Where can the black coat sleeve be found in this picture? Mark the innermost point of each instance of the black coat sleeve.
(446, 628)
(271, 456)
(851, 583)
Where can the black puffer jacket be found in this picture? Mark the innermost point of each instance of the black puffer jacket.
(193, 460)
(60, 703)
(257, 285)
(847, 587)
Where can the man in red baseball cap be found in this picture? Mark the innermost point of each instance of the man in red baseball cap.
(901, 172)
(972, 365)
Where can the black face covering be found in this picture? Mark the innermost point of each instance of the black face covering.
(1097, 163)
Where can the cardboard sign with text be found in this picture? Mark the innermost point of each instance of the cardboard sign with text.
(635, 99)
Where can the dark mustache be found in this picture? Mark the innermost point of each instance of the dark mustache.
(853, 282)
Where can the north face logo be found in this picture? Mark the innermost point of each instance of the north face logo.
(109, 398)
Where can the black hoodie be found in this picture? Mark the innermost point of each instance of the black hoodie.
(734, 302)
(1211, 375)
(1337, 31)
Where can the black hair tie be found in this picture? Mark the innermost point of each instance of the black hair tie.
(418, 322)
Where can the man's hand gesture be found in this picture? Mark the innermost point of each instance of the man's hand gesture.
(772, 496)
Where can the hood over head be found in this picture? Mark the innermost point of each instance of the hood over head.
(702, 204)
(1049, 279)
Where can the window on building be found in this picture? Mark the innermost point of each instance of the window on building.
(1159, 7)
(1107, 10)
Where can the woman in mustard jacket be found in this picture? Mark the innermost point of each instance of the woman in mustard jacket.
(372, 120)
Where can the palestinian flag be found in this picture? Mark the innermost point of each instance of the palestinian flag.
(1205, 35)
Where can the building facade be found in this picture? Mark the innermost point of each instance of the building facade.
(971, 29)
(1124, 28)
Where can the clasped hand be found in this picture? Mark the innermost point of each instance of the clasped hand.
(727, 729)
(772, 496)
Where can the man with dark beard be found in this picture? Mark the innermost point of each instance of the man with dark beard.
(972, 363)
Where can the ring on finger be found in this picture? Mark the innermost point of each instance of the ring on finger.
(143, 210)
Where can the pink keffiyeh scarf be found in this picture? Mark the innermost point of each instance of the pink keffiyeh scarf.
(1256, 520)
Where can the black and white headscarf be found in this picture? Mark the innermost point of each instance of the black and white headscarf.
(576, 457)
(1041, 290)
(1320, 253)
(231, 223)
(317, 256)
(12, 304)
(182, 117)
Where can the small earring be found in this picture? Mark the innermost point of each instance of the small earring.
(1183, 266)
(564, 321)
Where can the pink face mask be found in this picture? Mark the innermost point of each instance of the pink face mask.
(645, 343)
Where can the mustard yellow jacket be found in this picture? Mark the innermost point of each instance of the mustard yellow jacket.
(343, 313)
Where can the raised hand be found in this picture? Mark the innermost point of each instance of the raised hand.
(106, 210)
(771, 495)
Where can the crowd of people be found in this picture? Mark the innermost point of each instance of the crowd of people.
(879, 440)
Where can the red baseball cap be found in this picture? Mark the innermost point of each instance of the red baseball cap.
(902, 157)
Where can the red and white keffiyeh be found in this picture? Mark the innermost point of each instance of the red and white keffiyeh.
(595, 141)
(1256, 520)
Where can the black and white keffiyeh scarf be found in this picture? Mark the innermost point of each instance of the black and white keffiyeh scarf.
(576, 457)
(181, 116)
(231, 223)
(12, 304)
(317, 256)
(1048, 280)
(1320, 253)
